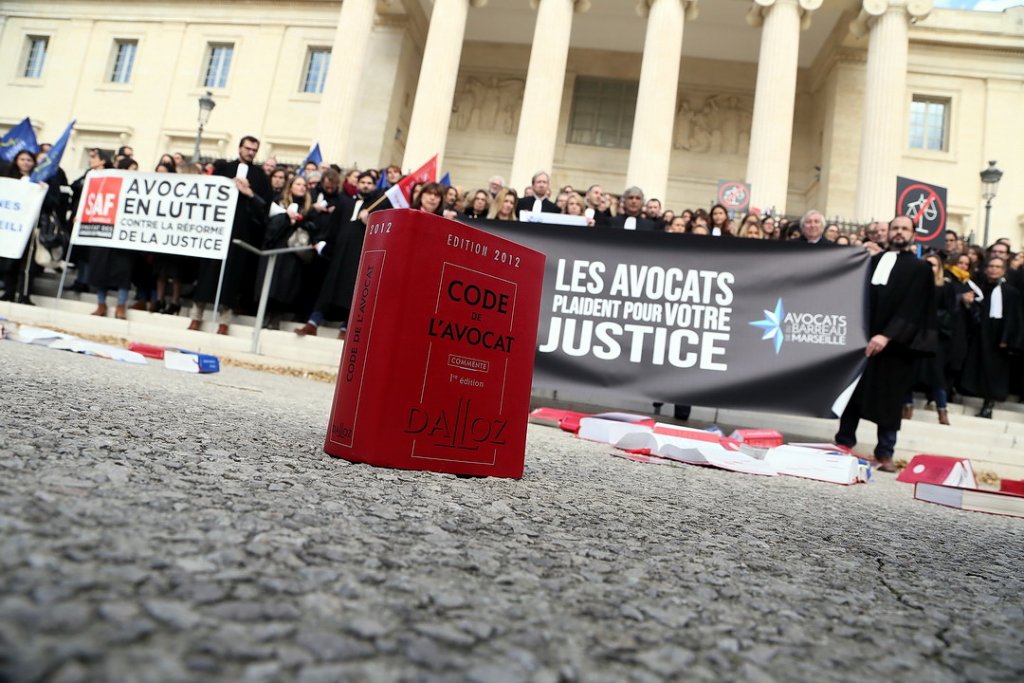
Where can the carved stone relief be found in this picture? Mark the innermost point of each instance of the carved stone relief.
(487, 103)
(714, 123)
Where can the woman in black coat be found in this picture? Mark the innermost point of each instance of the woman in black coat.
(294, 212)
(997, 332)
(18, 272)
(933, 372)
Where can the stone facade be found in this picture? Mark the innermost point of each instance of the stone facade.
(393, 92)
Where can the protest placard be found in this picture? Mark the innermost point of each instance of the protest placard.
(20, 202)
(189, 215)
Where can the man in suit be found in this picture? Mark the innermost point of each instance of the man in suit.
(541, 199)
(254, 198)
(593, 210)
(812, 226)
(632, 217)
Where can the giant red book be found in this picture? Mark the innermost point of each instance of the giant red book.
(437, 366)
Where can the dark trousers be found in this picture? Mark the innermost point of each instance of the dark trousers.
(847, 434)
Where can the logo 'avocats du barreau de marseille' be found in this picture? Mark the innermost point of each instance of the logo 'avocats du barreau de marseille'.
(819, 329)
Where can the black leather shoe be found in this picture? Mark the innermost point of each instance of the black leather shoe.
(986, 409)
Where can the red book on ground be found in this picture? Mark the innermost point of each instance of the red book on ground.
(978, 500)
(1014, 486)
(939, 469)
(438, 360)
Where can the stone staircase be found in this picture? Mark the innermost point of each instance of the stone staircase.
(994, 446)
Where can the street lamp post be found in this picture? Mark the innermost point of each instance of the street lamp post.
(206, 105)
(990, 178)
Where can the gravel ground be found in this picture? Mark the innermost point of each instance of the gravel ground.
(156, 526)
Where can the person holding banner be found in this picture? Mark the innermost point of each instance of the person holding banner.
(18, 272)
(902, 327)
(239, 270)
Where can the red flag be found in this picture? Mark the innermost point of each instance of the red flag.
(400, 194)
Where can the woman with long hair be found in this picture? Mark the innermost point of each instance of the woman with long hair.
(294, 212)
(935, 373)
(18, 272)
(720, 224)
(430, 198)
(479, 206)
(503, 208)
(575, 206)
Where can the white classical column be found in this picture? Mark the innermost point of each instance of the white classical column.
(884, 128)
(771, 134)
(435, 90)
(545, 82)
(650, 150)
(348, 57)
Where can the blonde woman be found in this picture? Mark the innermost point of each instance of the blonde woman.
(504, 206)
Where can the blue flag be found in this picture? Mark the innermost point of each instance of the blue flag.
(51, 162)
(314, 155)
(22, 136)
(382, 181)
(446, 180)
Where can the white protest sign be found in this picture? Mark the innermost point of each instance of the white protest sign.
(189, 215)
(20, 203)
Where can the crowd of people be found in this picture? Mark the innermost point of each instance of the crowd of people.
(979, 289)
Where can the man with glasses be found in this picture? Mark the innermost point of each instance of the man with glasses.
(952, 244)
(631, 217)
(254, 198)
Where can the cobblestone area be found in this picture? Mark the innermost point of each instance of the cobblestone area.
(156, 526)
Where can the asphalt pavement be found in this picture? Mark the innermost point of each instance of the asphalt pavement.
(159, 526)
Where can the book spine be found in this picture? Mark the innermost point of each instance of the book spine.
(353, 385)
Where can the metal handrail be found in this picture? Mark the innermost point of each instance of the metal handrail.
(268, 276)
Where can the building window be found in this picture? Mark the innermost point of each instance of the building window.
(929, 123)
(218, 64)
(318, 60)
(602, 112)
(35, 56)
(124, 61)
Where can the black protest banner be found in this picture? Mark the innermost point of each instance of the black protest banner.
(723, 322)
(925, 204)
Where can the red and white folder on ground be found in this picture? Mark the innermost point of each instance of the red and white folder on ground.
(694, 452)
(939, 469)
(814, 463)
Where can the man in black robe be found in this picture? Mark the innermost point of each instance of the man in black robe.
(995, 321)
(250, 219)
(341, 245)
(632, 217)
(593, 210)
(901, 327)
(540, 202)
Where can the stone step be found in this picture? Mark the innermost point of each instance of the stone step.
(1008, 411)
(276, 348)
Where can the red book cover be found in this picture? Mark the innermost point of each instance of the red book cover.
(437, 366)
(938, 469)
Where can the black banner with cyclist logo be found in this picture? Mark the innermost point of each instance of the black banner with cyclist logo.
(925, 204)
